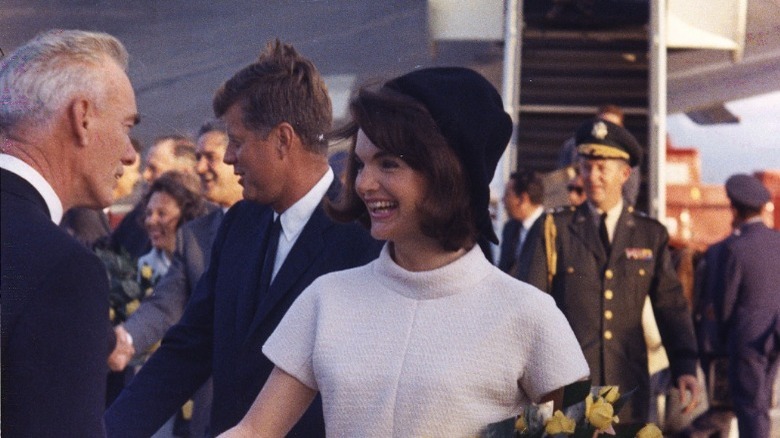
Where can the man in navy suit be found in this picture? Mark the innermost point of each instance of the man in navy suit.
(267, 250)
(523, 199)
(194, 239)
(66, 110)
(750, 310)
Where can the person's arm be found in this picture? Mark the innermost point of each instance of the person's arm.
(277, 408)
(161, 310)
(177, 369)
(123, 350)
(675, 324)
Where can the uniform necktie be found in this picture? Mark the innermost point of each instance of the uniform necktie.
(603, 233)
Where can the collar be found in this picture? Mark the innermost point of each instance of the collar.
(613, 214)
(295, 218)
(529, 221)
(39, 183)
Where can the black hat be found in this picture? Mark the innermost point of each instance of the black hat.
(470, 115)
(599, 138)
(747, 191)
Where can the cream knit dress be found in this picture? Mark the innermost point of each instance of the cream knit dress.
(435, 353)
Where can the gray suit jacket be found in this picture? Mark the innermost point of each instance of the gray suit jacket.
(166, 305)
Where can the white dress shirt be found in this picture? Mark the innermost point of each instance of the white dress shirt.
(295, 218)
(613, 214)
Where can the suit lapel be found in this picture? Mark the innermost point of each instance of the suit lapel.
(583, 228)
(304, 252)
(213, 225)
(248, 299)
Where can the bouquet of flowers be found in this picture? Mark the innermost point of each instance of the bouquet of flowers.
(125, 292)
(587, 413)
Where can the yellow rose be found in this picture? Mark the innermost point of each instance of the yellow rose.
(559, 423)
(520, 425)
(146, 272)
(649, 431)
(132, 306)
(599, 413)
(610, 393)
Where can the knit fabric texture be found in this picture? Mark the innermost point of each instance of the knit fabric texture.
(436, 353)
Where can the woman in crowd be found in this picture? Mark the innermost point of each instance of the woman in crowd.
(171, 200)
(430, 339)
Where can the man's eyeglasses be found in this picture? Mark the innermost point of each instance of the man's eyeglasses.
(576, 189)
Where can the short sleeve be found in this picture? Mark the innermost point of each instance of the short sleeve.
(555, 358)
(291, 346)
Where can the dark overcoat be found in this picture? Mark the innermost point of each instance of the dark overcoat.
(603, 298)
(55, 326)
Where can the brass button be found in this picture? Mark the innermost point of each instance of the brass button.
(608, 335)
(609, 274)
(608, 314)
(608, 294)
(642, 272)
(570, 269)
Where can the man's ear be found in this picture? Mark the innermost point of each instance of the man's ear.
(625, 171)
(286, 136)
(80, 117)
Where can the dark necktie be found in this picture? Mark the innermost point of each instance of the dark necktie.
(603, 234)
(270, 257)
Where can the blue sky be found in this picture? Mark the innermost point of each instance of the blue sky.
(745, 147)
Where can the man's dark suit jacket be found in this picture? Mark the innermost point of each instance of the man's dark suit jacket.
(518, 267)
(603, 296)
(221, 332)
(54, 323)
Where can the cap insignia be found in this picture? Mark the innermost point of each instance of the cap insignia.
(599, 130)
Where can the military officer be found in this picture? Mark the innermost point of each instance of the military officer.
(750, 310)
(600, 260)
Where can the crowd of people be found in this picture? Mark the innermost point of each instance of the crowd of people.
(276, 293)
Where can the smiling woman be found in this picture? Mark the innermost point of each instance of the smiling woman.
(172, 199)
(431, 322)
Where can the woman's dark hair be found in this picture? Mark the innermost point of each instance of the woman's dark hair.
(184, 189)
(400, 125)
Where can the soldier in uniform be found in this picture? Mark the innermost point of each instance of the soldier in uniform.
(600, 260)
(750, 310)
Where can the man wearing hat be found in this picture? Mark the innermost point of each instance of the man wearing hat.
(601, 260)
(750, 310)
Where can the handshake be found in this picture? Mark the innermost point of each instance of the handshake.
(123, 351)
